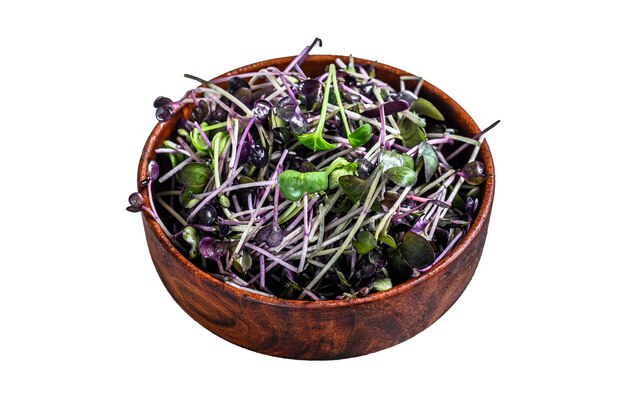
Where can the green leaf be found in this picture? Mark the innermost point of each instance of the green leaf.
(198, 142)
(360, 136)
(353, 186)
(403, 176)
(425, 108)
(243, 262)
(224, 201)
(337, 163)
(176, 158)
(389, 159)
(333, 181)
(190, 236)
(275, 121)
(407, 161)
(364, 242)
(314, 140)
(186, 197)
(342, 279)
(382, 284)
(429, 156)
(411, 133)
(350, 67)
(315, 181)
(195, 176)
(291, 291)
(388, 240)
(415, 252)
(290, 213)
(219, 143)
(293, 184)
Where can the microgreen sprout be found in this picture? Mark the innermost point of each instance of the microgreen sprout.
(311, 187)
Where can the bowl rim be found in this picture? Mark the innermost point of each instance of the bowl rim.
(477, 225)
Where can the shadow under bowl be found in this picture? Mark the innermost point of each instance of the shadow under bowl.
(330, 329)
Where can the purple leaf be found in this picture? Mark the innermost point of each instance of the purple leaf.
(393, 107)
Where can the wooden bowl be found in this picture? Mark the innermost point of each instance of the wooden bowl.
(331, 329)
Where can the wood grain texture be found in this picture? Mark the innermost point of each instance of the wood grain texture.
(325, 329)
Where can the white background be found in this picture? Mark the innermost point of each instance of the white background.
(83, 312)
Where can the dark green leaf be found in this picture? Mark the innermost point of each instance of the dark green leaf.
(186, 198)
(333, 182)
(378, 207)
(415, 252)
(354, 187)
(425, 108)
(243, 262)
(429, 156)
(382, 284)
(411, 133)
(360, 136)
(364, 242)
(291, 291)
(402, 176)
(342, 279)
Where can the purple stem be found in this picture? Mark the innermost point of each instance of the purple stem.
(440, 140)
(250, 205)
(188, 149)
(311, 295)
(262, 201)
(241, 186)
(205, 228)
(270, 256)
(202, 134)
(262, 272)
(395, 145)
(167, 150)
(364, 99)
(302, 56)
(150, 212)
(465, 145)
(287, 85)
(275, 214)
(299, 71)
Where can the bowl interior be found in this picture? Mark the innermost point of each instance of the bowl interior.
(315, 65)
